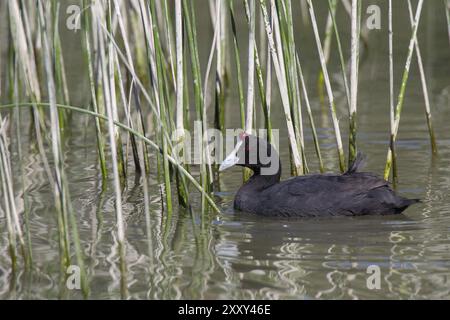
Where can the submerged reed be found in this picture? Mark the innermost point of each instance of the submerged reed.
(12, 215)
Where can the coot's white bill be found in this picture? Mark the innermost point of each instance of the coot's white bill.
(232, 158)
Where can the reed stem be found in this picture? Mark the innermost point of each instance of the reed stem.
(401, 94)
(354, 80)
(447, 15)
(279, 71)
(62, 194)
(331, 102)
(424, 86)
(89, 61)
(238, 64)
(310, 115)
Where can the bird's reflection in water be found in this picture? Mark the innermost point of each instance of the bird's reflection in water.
(306, 258)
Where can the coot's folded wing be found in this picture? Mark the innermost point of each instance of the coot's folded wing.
(319, 195)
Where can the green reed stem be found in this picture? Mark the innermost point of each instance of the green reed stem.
(401, 96)
(26, 208)
(238, 64)
(331, 8)
(188, 10)
(9, 221)
(24, 50)
(259, 78)
(105, 60)
(279, 71)
(354, 65)
(310, 115)
(332, 105)
(329, 28)
(112, 95)
(160, 87)
(62, 194)
(424, 86)
(447, 15)
(221, 65)
(291, 66)
(168, 32)
(60, 70)
(89, 62)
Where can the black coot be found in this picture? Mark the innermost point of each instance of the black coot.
(350, 194)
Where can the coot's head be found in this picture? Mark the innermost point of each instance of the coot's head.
(254, 153)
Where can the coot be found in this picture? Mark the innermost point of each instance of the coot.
(317, 195)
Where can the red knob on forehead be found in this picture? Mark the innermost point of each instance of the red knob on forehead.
(242, 135)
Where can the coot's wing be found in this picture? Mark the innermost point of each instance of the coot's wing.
(336, 184)
(319, 195)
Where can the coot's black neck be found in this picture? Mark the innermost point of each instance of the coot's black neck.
(261, 180)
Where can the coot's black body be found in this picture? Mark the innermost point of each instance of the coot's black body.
(350, 194)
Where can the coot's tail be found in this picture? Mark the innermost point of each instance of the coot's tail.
(357, 164)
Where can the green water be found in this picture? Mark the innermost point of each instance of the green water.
(234, 255)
